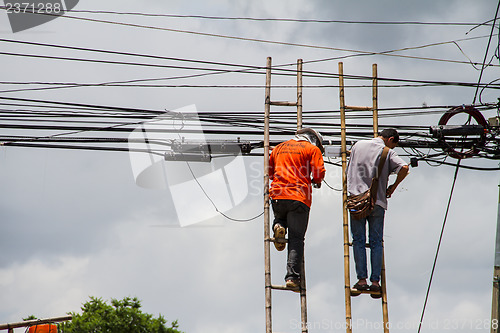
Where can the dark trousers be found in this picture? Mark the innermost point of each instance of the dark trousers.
(294, 216)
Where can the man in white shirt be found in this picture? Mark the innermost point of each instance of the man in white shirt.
(362, 167)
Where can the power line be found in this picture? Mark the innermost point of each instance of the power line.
(461, 166)
(261, 19)
(243, 66)
(206, 34)
(281, 72)
(246, 68)
(75, 110)
(213, 203)
(486, 53)
(386, 53)
(274, 19)
(439, 245)
(310, 73)
(455, 42)
(453, 185)
(150, 56)
(67, 122)
(64, 85)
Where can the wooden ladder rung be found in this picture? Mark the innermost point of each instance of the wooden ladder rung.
(278, 103)
(359, 108)
(356, 292)
(281, 287)
(276, 240)
(279, 240)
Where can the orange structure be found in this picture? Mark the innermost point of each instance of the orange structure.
(44, 328)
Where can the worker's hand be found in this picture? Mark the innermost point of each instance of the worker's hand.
(390, 191)
(317, 185)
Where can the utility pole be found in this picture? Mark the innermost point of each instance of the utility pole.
(495, 306)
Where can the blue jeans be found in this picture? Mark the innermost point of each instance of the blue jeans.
(376, 236)
(294, 216)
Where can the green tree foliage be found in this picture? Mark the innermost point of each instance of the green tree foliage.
(122, 316)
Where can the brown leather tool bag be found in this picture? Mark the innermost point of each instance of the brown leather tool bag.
(361, 205)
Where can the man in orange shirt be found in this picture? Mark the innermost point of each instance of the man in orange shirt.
(293, 166)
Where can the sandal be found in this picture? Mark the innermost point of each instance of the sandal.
(293, 285)
(377, 291)
(361, 287)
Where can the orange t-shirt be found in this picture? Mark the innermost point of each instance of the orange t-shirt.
(292, 164)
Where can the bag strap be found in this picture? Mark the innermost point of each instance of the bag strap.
(374, 185)
(381, 163)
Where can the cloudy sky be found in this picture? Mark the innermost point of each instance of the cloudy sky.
(76, 224)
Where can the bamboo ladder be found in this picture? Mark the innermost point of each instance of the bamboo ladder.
(348, 291)
(267, 225)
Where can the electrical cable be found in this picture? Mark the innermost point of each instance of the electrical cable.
(407, 49)
(453, 187)
(228, 64)
(461, 166)
(126, 111)
(261, 19)
(414, 83)
(438, 247)
(82, 105)
(128, 84)
(206, 34)
(331, 187)
(247, 68)
(131, 54)
(486, 53)
(124, 120)
(386, 53)
(213, 203)
(475, 25)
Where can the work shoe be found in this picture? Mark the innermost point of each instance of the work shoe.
(279, 233)
(293, 284)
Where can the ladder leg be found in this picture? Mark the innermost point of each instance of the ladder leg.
(385, 312)
(303, 300)
(345, 220)
(267, 245)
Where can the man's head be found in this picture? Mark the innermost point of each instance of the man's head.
(390, 137)
(313, 136)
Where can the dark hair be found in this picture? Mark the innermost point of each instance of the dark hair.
(390, 132)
